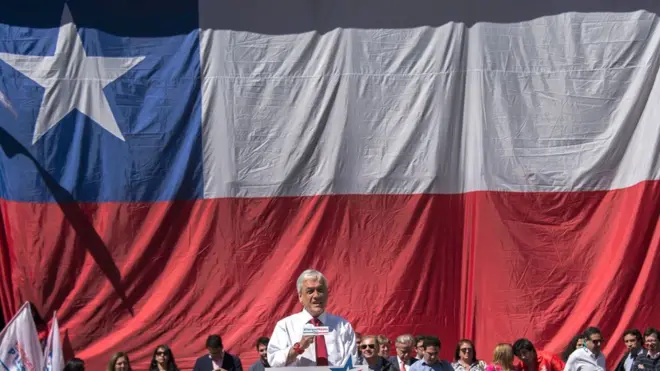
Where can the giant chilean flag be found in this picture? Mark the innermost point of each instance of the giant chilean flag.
(465, 168)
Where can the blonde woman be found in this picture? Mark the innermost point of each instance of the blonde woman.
(502, 359)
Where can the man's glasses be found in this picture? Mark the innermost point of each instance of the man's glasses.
(465, 350)
(370, 346)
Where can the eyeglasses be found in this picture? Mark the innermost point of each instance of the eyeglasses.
(370, 346)
(597, 342)
(465, 350)
(160, 353)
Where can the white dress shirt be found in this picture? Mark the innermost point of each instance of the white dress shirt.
(340, 341)
(583, 359)
(628, 363)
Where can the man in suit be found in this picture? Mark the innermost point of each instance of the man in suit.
(404, 348)
(633, 341)
(217, 359)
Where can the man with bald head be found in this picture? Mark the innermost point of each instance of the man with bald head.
(288, 345)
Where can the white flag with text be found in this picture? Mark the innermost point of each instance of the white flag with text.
(20, 349)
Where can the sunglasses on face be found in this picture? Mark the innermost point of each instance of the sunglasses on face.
(465, 350)
(160, 353)
(370, 346)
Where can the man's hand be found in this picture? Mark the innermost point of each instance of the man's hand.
(306, 341)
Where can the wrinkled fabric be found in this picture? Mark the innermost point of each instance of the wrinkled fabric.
(467, 169)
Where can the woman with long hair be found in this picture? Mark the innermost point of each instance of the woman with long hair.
(576, 343)
(163, 359)
(465, 357)
(119, 362)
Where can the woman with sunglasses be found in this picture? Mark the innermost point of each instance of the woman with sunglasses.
(465, 358)
(163, 359)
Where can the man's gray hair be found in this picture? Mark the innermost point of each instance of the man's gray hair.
(310, 274)
(406, 339)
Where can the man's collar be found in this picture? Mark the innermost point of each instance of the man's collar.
(323, 317)
(219, 358)
(591, 354)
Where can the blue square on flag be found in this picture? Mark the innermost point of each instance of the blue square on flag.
(103, 101)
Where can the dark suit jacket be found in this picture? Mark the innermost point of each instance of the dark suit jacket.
(257, 366)
(621, 364)
(395, 363)
(229, 363)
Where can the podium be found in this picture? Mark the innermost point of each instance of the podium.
(347, 367)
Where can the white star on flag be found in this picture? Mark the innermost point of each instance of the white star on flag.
(72, 80)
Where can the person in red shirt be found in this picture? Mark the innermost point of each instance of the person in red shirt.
(533, 360)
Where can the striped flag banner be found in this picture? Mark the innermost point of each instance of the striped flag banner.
(467, 169)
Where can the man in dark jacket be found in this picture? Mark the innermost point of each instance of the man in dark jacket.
(217, 359)
(649, 359)
(403, 359)
(633, 341)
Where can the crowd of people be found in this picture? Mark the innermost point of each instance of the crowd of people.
(314, 337)
(420, 353)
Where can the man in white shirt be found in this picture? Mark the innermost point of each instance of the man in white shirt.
(288, 347)
(589, 357)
